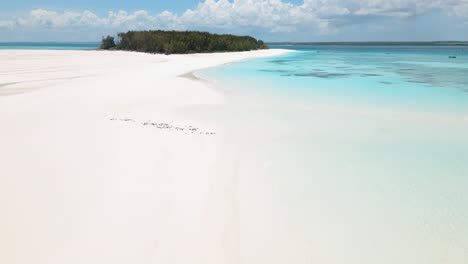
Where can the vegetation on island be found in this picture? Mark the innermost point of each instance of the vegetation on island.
(180, 42)
(107, 43)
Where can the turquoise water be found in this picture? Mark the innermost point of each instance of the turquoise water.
(357, 154)
(422, 78)
(49, 45)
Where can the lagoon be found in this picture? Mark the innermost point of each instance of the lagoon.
(358, 154)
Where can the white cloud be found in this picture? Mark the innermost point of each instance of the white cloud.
(7, 24)
(460, 8)
(319, 16)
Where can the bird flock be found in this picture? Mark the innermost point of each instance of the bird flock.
(166, 126)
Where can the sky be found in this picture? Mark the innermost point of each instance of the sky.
(270, 20)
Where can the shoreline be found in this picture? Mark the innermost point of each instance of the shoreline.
(193, 74)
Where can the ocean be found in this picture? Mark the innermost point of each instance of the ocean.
(359, 154)
(421, 78)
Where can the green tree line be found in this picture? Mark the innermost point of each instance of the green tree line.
(180, 42)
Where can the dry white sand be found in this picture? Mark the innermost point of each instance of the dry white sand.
(101, 164)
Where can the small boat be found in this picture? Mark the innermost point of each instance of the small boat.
(452, 57)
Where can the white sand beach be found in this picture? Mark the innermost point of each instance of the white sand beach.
(100, 162)
(123, 157)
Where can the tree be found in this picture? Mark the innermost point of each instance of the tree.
(169, 42)
(107, 43)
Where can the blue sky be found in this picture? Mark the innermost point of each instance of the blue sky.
(99, 6)
(271, 20)
(103, 6)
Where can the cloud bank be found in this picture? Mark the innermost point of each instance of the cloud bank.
(319, 17)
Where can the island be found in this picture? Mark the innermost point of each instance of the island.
(180, 42)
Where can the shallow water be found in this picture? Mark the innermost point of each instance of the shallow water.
(356, 154)
(420, 78)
